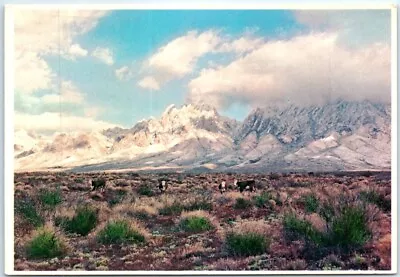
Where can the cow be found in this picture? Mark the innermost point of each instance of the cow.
(99, 183)
(222, 187)
(162, 185)
(249, 185)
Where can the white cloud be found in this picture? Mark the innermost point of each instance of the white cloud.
(52, 122)
(77, 51)
(46, 32)
(104, 54)
(93, 112)
(49, 31)
(178, 57)
(149, 83)
(31, 72)
(123, 73)
(241, 45)
(306, 69)
(69, 93)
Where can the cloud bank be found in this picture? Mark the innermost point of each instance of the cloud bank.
(307, 69)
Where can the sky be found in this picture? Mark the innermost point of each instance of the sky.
(84, 70)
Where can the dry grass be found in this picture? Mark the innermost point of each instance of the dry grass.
(259, 227)
(317, 222)
(229, 264)
(193, 249)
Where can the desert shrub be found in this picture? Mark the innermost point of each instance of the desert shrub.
(84, 220)
(45, 245)
(119, 231)
(327, 211)
(246, 244)
(310, 203)
(176, 207)
(242, 203)
(296, 228)
(262, 199)
(180, 179)
(376, 198)
(27, 209)
(141, 215)
(117, 198)
(346, 230)
(195, 224)
(274, 176)
(145, 190)
(199, 205)
(349, 229)
(172, 209)
(79, 180)
(60, 221)
(50, 198)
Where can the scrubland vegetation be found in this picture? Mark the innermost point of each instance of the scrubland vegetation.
(297, 221)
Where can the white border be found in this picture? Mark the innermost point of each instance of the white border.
(8, 140)
(9, 129)
(394, 140)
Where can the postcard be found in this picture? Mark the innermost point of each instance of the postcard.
(183, 139)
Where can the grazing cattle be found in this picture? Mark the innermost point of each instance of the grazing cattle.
(99, 183)
(162, 185)
(249, 185)
(222, 187)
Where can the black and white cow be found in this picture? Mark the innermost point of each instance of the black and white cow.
(162, 185)
(99, 183)
(222, 187)
(249, 185)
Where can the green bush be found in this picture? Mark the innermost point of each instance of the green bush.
(327, 211)
(145, 190)
(176, 207)
(120, 231)
(377, 199)
(180, 179)
(310, 203)
(349, 229)
(45, 245)
(84, 220)
(50, 198)
(262, 200)
(195, 224)
(247, 244)
(301, 229)
(27, 209)
(79, 180)
(242, 203)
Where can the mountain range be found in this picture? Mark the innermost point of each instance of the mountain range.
(339, 135)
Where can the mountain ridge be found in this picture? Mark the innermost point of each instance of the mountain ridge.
(338, 135)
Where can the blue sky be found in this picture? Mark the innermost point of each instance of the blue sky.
(134, 35)
(122, 66)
